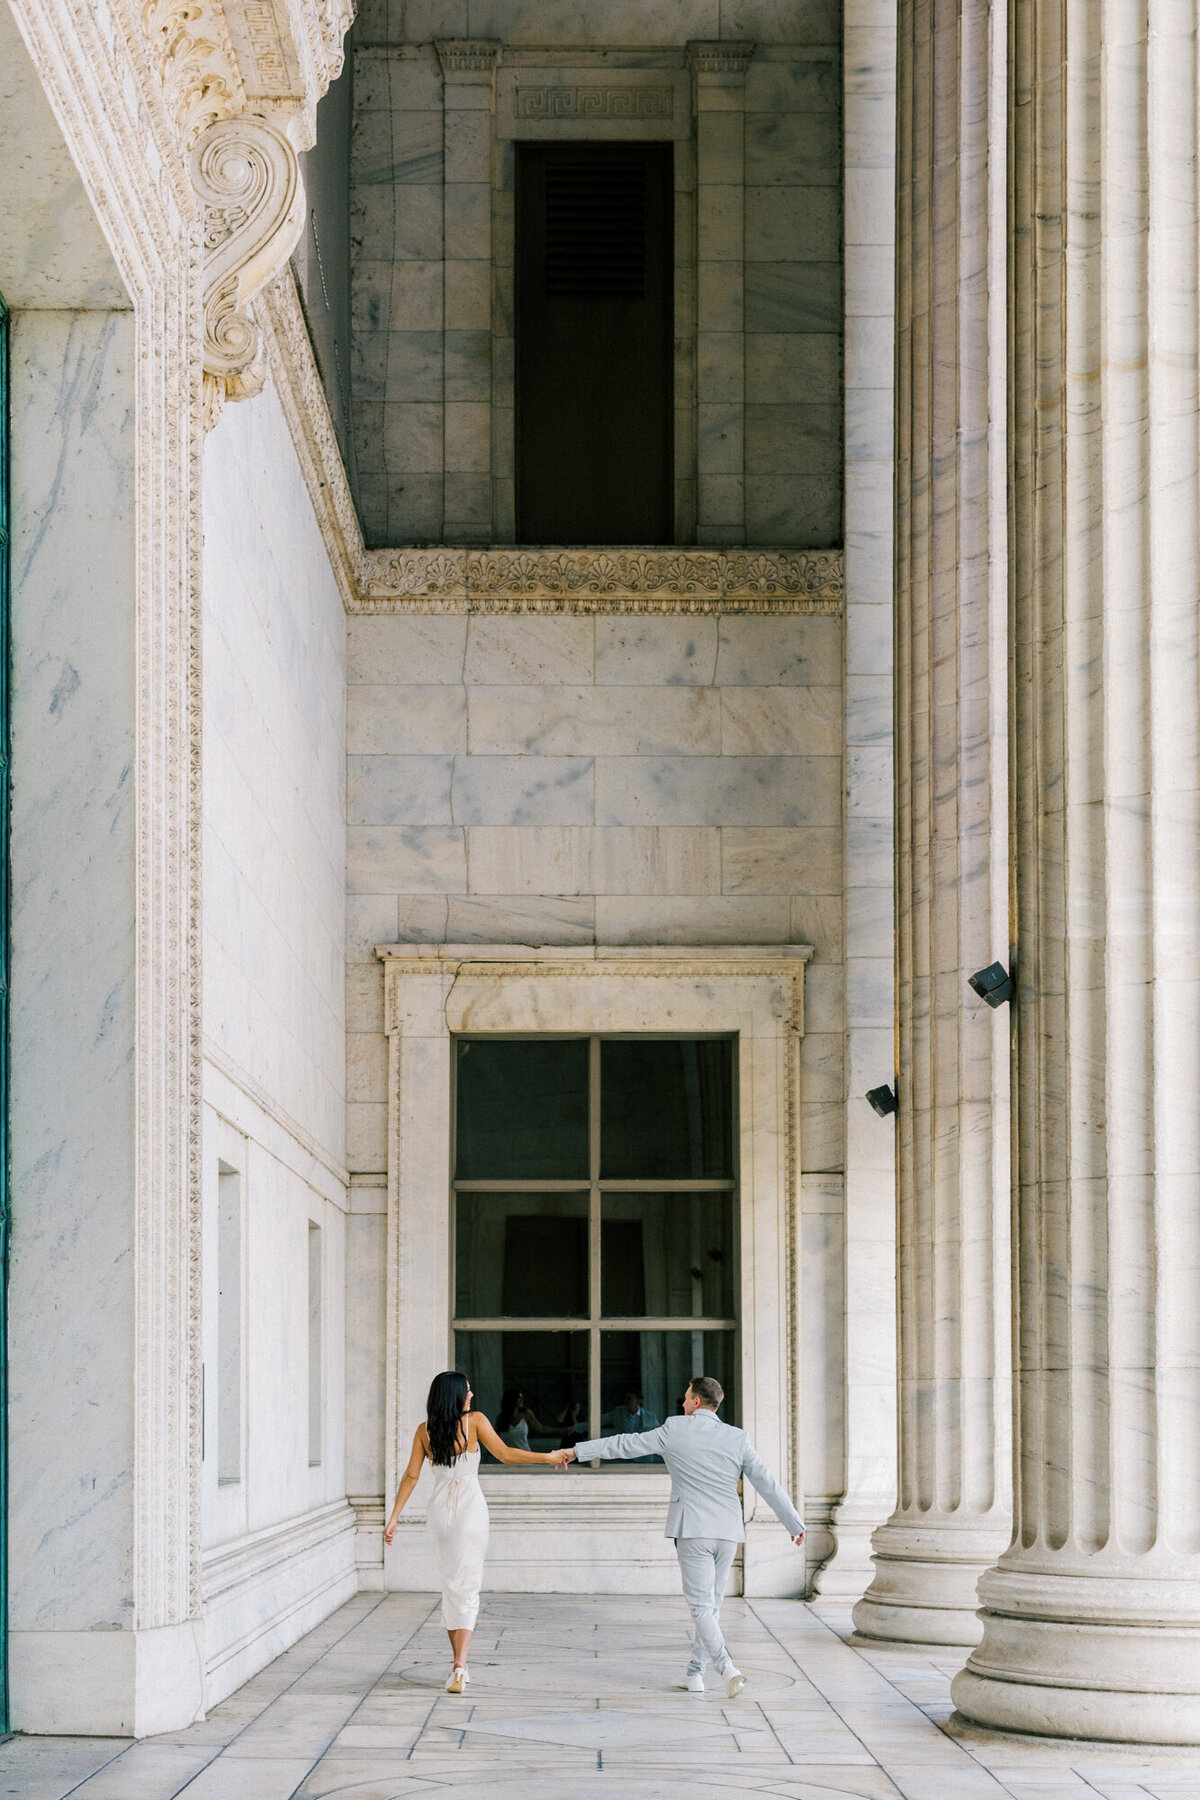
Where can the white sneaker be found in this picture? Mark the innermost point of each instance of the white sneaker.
(458, 1680)
(735, 1682)
(694, 1683)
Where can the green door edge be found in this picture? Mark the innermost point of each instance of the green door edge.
(5, 915)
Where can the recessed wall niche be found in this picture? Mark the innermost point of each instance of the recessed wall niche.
(755, 375)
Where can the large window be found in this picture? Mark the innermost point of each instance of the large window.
(595, 1240)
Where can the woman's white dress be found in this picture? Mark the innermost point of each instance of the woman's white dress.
(457, 1517)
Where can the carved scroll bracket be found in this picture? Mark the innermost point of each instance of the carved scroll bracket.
(247, 177)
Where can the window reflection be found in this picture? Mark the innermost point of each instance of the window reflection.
(522, 1109)
(521, 1256)
(655, 1367)
(669, 1255)
(666, 1108)
(533, 1385)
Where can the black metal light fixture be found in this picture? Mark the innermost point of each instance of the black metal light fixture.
(882, 1100)
(994, 985)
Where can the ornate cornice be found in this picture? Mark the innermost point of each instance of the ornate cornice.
(713, 57)
(215, 59)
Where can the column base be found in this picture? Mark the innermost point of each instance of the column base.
(849, 1571)
(107, 1683)
(1105, 1656)
(925, 1589)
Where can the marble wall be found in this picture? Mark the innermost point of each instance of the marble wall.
(71, 1395)
(758, 441)
(274, 770)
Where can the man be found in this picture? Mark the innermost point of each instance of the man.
(631, 1415)
(705, 1457)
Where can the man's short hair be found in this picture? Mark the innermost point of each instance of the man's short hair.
(707, 1390)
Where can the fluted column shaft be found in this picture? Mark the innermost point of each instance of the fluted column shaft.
(953, 1513)
(1092, 1618)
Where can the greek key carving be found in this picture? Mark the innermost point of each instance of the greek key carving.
(594, 102)
(266, 46)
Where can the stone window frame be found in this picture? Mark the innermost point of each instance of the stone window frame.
(434, 992)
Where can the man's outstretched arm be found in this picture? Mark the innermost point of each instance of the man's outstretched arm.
(760, 1477)
(625, 1444)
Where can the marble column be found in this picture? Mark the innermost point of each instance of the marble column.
(869, 1240)
(1092, 1617)
(953, 1511)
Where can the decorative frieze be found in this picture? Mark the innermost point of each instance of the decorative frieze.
(594, 102)
(589, 581)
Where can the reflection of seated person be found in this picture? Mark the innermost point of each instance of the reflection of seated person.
(515, 1420)
(631, 1415)
(573, 1424)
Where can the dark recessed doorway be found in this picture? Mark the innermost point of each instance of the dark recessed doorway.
(595, 280)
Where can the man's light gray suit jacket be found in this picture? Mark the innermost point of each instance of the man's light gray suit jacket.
(705, 1457)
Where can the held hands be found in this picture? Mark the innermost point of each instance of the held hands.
(560, 1458)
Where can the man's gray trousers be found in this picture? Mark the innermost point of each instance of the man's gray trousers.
(704, 1564)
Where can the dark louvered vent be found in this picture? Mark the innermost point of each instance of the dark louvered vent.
(596, 228)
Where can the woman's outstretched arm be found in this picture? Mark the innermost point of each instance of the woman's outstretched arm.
(408, 1481)
(504, 1452)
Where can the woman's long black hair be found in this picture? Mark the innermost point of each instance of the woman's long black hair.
(444, 1416)
(508, 1409)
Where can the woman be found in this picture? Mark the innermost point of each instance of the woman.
(457, 1515)
(570, 1421)
(516, 1419)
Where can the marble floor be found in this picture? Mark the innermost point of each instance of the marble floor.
(582, 1697)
